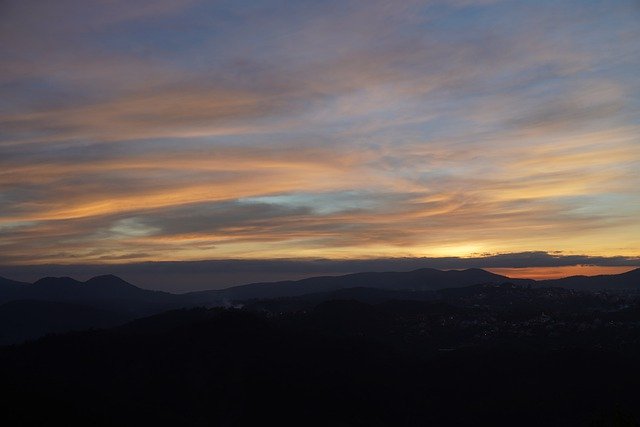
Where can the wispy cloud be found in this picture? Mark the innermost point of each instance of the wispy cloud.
(193, 130)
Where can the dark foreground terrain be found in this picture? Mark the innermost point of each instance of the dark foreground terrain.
(62, 304)
(494, 355)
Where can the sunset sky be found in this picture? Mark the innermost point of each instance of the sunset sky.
(185, 130)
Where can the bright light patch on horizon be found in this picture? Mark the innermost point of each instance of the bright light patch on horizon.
(543, 273)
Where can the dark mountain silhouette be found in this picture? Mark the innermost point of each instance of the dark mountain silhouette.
(28, 319)
(61, 304)
(426, 347)
(417, 280)
(96, 290)
(520, 300)
(628, 280)
(55, 288)
(10, 284)
(116, 299)
(10, 289)
(112, 288)
(366, 295)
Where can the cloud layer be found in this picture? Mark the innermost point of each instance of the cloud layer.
(185, 130)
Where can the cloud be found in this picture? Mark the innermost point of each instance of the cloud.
(196, 130)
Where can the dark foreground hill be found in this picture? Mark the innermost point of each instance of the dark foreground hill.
(340, 363)
(61, 304)
(29, 319)
(106, 301)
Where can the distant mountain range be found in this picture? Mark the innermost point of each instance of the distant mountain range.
(59, 304)
(426, 279)
(624, 281)
(101, 290)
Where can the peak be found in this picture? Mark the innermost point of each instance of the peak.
(108, 280)
(477, 270)
(105, 278)
(57, 281)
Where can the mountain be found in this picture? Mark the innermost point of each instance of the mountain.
(110, 289)
(365, 295)
(110, 283)
(61, 304)
(28, 319)
(99, 289)
(426, 279)
(106, 300)
(10, 289)
(8, 283)
(623, 281)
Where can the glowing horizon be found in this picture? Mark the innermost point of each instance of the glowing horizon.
(543, 273)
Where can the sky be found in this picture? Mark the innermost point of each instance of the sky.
(136, 132)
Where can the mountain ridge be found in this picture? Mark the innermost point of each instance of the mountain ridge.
(420, 279)
(107, 300)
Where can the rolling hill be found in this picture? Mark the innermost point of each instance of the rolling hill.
(59, 304)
